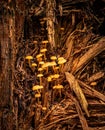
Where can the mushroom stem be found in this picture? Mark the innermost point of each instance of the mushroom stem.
(45, 99)
(40, 80)
(44, 56)
(53, 68)
(29, 62)
(59, 93)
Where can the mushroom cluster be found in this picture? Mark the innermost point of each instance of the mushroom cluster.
(46, 69)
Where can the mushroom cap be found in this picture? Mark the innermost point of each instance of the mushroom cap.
(60, 58)
(41, 62)
(62, 29)
(56, 76)
(45, 41)
(53, 63)
(39, 55)
(29, 57)
(40, 69)
(46, 64)
(62, 61)
(93, 83)
(49, 79)
(36, 87)
(40, 75)
(33, 64)
(53, 57)
(35, 42)
(44, 108)
(58, 86)
(37, 95)
(43, 50)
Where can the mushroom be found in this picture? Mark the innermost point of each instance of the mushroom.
(60, 58)
(40, 77)
(62, 29)
(56, 69)
(33, 65)
(45, 42)
(53, 58)
(37, 95)
(35, 42)
(44, 51)
(56, 76)
(29, 58)
(44, 108)
(49, 78)
(37, 87)
(41, 62)
(45, 66)
(40, 69)
(53, 64)
(39, 57)
(58, 87)
(93, 84)
(61, 63)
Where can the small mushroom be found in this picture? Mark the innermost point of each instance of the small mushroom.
(44, 108)
(40, 78)
(53, 64)
(49, 78)
(44, 52)
(60, 58)
(53, 58)
(61, 63)
(56, 69)
(45, 66)
(37, 96)
(62, 29)
(58, 87)
(93, 84)
(33, 65)
(29, 58)
(39, 57)
(56, 78)
(37, 87)
(40, 69)
(35, 42)
(45, 42)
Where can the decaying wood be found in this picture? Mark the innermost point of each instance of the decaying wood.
(50, 13)
(92, 91)
(78, 91)
(96, 76)
(80, 114)
(90, 54)
(73, 31)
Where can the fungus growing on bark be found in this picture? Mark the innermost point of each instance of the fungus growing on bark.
(29, 58)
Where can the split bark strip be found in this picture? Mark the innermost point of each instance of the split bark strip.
(69, 46)
(78, 91)
(80, 114)
(87, 89)
(50, 21)
(96, 76)
(89, 55)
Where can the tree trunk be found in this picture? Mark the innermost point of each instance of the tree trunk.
(7, 45)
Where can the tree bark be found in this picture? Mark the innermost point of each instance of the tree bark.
(7, 46)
